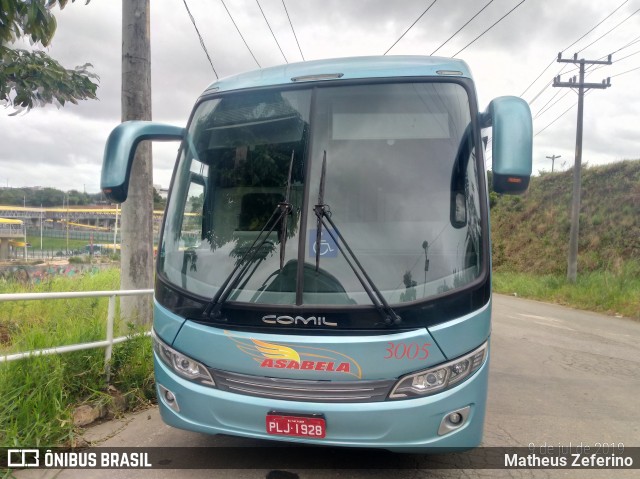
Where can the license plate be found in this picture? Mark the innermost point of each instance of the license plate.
(312, 426)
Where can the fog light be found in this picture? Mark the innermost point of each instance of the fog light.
(454, 420)
(168, 398)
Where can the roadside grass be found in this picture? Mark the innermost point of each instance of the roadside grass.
(55, 244)
(613, 293)
(38, 394)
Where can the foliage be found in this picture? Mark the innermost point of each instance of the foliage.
(45, 197)
(37, 80)
(33, 78)
(38, 395)
(531, 232)
(79, 259)
(159, 203)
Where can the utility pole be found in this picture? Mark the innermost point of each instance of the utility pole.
(553, 159)
(572, 261)
(137, 212)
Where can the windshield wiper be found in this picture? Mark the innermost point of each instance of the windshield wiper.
(323, 215)
(280, 213)
(321, 209)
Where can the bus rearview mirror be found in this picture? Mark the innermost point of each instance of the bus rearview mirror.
(512, 139)
(120, 152)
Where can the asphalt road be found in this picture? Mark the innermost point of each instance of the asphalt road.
(558, 377)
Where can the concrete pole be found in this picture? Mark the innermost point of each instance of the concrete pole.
(572, 260)
(136, 226)
(553, 159)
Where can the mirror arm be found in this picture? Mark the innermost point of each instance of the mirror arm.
(485, 119)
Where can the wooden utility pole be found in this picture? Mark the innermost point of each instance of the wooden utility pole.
(553, 159)
(137, 212)
(572, 261)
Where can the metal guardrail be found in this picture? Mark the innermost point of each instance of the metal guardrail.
(111, 311)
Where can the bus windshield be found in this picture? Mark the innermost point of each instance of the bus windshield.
(401, 186)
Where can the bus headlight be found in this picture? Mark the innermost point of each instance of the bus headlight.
(439, 378)
(180, 364)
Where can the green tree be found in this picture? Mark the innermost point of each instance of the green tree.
(159, 203)
(78, 198)
(33, 78)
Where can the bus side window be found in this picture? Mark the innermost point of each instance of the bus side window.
(191, 230)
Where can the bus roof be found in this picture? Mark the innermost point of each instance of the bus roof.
(344, 68)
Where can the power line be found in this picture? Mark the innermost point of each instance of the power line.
(620, 59)
(240, 33)
(541, 112)
(407, 30)
(537, 78)
(631, 43)
(569, 109)
(596, 26)
(200, 38)
(624, 73)
(468, 22)
(634, 41)
(597, 67)
(294, 32)
(554, 58)
(592, 69)
(557, 118)
(501, 18)
(625, 57)
(608, 32)
(546, 85)
(271, 30)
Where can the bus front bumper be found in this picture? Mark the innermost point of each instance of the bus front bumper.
(410, 425)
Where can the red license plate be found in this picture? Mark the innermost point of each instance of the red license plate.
(296, 426)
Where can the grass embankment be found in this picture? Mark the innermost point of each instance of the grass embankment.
(531, 236)
(38, 395)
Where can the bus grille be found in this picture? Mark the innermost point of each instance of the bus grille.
(302, 389)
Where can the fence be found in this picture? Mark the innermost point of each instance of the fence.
(111, 312)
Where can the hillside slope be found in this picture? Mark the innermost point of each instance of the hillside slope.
(531, 232)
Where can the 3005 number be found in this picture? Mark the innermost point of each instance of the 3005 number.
(408, 351)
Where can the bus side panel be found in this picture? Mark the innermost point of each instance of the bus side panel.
(166, 324)
(462, 335)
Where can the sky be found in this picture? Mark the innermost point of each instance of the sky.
(63, 147)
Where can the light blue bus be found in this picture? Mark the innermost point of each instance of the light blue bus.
(324, 272)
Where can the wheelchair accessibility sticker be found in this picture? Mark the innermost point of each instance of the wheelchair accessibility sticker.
(328, 247)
